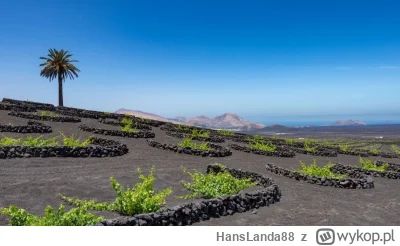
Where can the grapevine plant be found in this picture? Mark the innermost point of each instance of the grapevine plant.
(130, 201)
(40, 142)
(323, 172)
(74, 217)
(214, 185)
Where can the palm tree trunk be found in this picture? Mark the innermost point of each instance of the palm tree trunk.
(60, 91)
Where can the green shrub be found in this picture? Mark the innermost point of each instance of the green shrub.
(44, 113)
(143, 120)
(257, 138)
(71, 142)
(128, 128)
(127, 120)
(130, 201)
(371, 166)
(309, 148)
(395, 149)
(38, 142)
(323, 172)
(213, 185)
(7, 141)
(262, 146)
(345, 147)
(107, 113)
(309, 142)
(183, 128)
(187, 142)
(30, 141)
(362, 149)
(74, 217)
(290, 141)
(226, 132)
(197, 133)
(375, 151)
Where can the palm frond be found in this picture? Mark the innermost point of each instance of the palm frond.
(58, 63)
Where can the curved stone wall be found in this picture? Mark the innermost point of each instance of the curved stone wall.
(140, 134)
(32, 127)
(214, 139)
(35, 105)
(320, 152)
(361, 182)
(218, 151)
(116, 123)
(393, 167)
(16, 108)
(106, 149)
(357, 172)
(278, 152)
(202, 210)
(44, 118)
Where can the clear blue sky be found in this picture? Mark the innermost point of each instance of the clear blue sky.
(259, 59)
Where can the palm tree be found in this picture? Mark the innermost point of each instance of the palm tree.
(59, 65)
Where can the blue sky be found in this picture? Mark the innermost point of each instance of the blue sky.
(264, 60)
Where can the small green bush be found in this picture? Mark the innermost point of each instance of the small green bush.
(197, 133)
(345, 147)
(290, 141)
(128, 128)
(323, 172)
(143, 120)
(187, 142)
(8, 141)
(226, 132)
(257, 138)
(395, 149)
(74, 217)
(44, 113)
(40, 142)
(183, 128)
(309, 142)
(71, 142)
(213, 184)
(126, 120)
(308, 147)
(375, 151)
(107, 113)
(371, 166)
(262, 146)
(130, 201)
(30, 141)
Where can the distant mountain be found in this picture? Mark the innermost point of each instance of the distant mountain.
(180, 119)
(348, 123)
(225, 121)
(145, 115)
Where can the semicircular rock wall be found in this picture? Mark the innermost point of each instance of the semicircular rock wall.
(190, 213)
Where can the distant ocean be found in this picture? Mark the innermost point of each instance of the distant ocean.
(324, 123)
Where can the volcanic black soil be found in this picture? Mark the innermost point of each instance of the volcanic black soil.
(33, 183)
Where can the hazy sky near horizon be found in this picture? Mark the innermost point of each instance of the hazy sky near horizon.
(255, 58)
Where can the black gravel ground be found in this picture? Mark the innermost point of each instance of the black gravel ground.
(33, 183)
